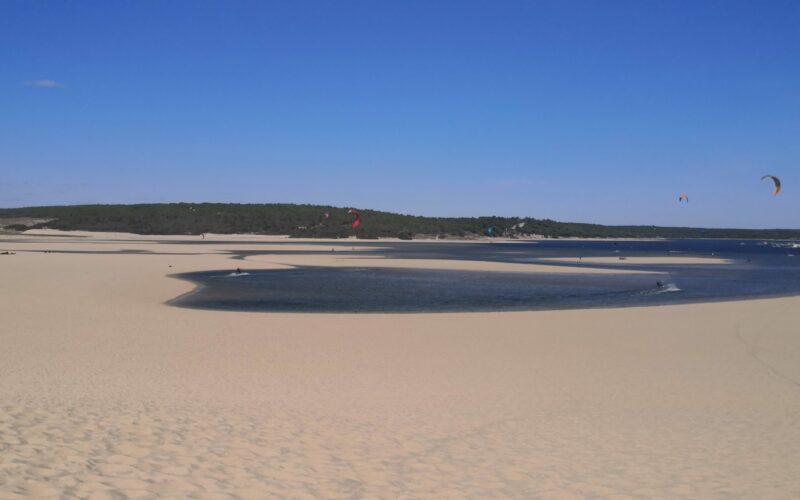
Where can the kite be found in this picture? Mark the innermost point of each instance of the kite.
(776, 181)
(357, 220)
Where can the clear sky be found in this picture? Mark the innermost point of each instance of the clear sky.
(595, 111)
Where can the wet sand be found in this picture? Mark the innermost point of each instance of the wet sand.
(106, 391)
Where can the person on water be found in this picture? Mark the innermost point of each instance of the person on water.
(238, 271)
(659, 284)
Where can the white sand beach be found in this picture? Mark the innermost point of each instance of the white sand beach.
(107, 392)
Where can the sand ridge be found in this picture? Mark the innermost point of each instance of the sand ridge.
(622, 260)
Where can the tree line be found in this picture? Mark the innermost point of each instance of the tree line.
(310, 221)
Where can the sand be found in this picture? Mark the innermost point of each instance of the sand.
(106, 392)
(622, 260)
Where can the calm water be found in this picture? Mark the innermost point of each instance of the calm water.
(759, 269)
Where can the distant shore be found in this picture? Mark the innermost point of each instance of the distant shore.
(270, 237)
(325, 221)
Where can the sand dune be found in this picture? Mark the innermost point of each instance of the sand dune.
(106, 392)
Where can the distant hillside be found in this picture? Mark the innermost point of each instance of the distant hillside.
(308, 221)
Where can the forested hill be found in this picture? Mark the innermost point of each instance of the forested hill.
(310, 221)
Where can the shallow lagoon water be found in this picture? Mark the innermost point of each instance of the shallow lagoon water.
(757, 269)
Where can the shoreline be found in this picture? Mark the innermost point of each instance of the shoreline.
(270, 237)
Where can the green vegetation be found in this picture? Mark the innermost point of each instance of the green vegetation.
(309, 221)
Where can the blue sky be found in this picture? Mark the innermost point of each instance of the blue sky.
(595, 111)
